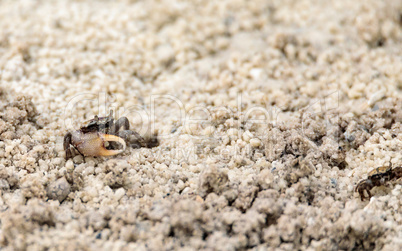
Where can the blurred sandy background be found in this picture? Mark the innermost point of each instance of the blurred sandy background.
(268, 112)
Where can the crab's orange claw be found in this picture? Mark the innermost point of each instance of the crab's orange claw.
(111, 138)
(93, 144)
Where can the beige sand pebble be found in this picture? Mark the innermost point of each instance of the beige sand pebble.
(58, 190)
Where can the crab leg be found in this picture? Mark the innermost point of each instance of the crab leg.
(66, 145)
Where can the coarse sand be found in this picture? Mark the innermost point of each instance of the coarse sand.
(268, 113)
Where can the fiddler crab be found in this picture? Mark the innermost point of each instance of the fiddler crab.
(101, 136)
(377, 177)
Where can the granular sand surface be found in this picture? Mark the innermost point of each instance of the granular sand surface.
(268, 113)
